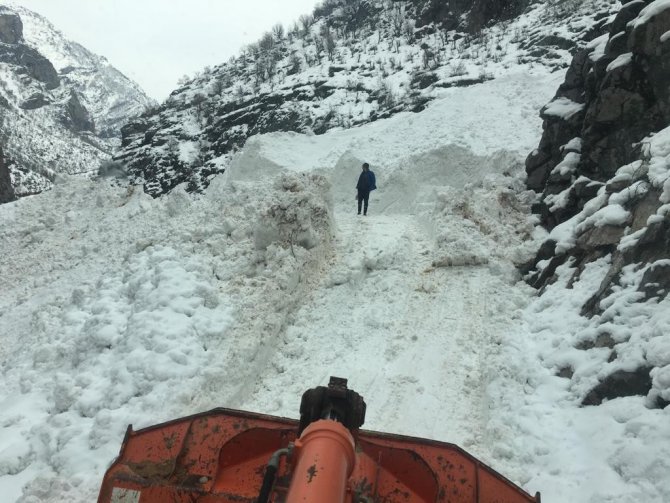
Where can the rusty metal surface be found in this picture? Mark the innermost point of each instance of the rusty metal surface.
(220, 456)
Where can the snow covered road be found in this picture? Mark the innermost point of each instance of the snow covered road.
(412, 338)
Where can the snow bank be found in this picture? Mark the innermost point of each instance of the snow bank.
(121, 309)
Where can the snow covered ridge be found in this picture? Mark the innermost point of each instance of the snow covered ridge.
(61, 107)
(340, 68)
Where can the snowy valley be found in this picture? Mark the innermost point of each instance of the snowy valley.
(483, 301)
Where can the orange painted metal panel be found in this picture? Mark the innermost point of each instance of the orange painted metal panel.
(220, 457)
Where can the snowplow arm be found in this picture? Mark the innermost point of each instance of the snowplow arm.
(220, 456)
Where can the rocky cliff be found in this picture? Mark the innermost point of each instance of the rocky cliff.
(603, 171)
(61, 107)
(349, 63)
(6, 190)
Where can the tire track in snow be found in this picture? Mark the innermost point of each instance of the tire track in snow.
(408, 337)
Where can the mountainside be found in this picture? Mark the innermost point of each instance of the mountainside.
(349, 63)
(61, 106)
(268, 282)
(603, 170)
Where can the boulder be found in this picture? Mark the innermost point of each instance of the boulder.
(617, 45)
(628, 12)
(620, 383)
(653, 245)
(658, 70)
(656, 281)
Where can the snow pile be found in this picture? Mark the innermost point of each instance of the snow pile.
(121, 309)
(484, 224)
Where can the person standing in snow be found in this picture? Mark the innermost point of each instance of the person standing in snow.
(366, 184)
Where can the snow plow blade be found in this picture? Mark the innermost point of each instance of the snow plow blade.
(221, 456)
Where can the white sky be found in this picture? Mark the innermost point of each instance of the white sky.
(155, 42)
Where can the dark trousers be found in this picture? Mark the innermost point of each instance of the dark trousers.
(363, 198)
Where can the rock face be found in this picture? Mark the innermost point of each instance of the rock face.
(6, 191)
(351, 63)
(467, 14)
(35, 65)
(11, 28)
(62, 107)
(602, 170)
(77, 116)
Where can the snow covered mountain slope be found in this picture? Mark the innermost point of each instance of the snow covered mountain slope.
(339, 68)
(61, 107)
(222, 298)
(268, 282)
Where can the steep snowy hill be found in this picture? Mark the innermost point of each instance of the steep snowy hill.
(268, 282)
(247, 294)
(61, 107)
(348, 64)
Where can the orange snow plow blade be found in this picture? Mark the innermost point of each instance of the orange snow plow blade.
(221, 456)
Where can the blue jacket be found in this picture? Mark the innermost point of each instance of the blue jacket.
(367, 181)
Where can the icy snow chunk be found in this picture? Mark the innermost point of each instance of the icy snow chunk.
(630, 240)
(623, 60)
(613, 214)
(564, 235)
(568, 165)
(650, 11)
(637, 189)
(574, 145)
(626, 172)
(597, 47)
(658, 351)
(563, 108)
(558, 201)
(661, 382)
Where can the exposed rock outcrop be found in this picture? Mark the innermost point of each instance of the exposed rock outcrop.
(468, 14)
(78, 117)
(35, 65)
(11, 28)
(6, 190)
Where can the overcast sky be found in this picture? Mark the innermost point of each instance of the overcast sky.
(155, 42)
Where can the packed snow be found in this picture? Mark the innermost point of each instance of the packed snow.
(118, 308)
(563, 107)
